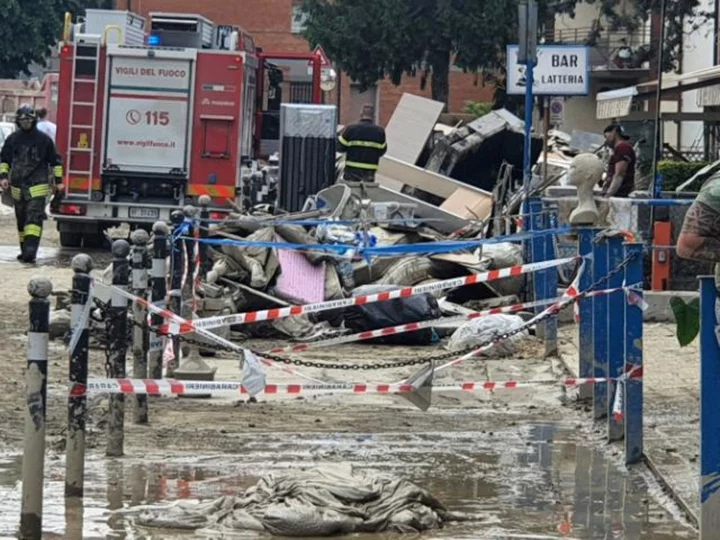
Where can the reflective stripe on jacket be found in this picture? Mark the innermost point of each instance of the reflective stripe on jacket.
(364, 143)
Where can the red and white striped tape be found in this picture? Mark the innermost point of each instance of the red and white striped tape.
(294, 311)
(414, 327)
(178, 320)
(176, 388)
(631, 372)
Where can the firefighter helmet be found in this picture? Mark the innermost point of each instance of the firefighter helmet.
(26, 111)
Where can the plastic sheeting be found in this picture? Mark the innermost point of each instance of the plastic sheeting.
(394, 312)
(310, 504)
(479, 331)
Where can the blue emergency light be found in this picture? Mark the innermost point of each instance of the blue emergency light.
(153, 40)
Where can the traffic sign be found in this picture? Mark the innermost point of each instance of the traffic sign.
(324, 60)
(557, 110)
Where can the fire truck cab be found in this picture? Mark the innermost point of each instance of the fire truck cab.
(154, 114)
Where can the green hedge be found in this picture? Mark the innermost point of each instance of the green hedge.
(675, 173)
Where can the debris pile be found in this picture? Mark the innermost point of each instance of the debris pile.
(263, 262)
(436, 184)
(439, 194)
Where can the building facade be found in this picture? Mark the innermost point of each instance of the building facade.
(698, 52)
(690, 138)
(617, 59)
(35, 92)
(276, 25)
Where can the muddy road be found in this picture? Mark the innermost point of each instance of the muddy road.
(526, 462)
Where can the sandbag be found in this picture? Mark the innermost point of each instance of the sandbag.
(503, 255)
(393, 313)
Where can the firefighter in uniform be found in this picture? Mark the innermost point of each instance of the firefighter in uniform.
(364, 144)
(26, 159)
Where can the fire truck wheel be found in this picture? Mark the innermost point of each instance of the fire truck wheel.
(70, 239)
(93, 241)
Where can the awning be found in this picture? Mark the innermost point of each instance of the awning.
(617, 103)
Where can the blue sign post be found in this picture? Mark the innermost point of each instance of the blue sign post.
(709, 415)
(527, 153)
(527, 55)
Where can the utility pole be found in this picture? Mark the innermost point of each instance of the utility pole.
(527, 55)
(658, 144)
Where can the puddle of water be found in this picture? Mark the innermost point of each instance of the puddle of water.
(49, 256)
(534, 482)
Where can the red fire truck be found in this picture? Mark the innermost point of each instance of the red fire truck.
(154, 114)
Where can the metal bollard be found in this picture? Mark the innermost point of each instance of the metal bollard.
(159, 290)
(140, 240)
(33, 463)
(77, 401)
(600, 328)
(634, 274)
(585, 307)
(615, 322)
(118, 313)
(177, 270)
(205, 262)
(551, 281)
(191, 367)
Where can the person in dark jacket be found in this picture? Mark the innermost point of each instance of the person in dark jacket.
(364, 144)
(26, 160)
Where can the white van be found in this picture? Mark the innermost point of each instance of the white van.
(6, 128)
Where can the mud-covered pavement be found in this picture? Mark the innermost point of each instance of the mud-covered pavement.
(527, 463)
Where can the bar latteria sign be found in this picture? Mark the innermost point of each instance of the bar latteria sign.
(561, 70)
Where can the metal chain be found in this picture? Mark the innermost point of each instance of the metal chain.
(389, 365)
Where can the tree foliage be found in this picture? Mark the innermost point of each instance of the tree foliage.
(30, 27)
(477, 108)
(375, 39)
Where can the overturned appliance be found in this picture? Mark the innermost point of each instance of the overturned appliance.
(475, 153)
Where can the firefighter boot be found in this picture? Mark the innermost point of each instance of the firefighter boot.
(31, 243)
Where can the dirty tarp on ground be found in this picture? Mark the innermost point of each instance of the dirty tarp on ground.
(310, 503)
(365, 317)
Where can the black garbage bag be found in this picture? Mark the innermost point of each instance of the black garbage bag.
(394, 312)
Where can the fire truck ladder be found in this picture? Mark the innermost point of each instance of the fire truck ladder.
(85, 71)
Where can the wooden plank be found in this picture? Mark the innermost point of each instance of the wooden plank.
(412, 175)
(469, 204)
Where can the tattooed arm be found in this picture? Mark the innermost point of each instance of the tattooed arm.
(700, 235)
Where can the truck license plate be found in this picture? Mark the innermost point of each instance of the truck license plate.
(145, 213)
